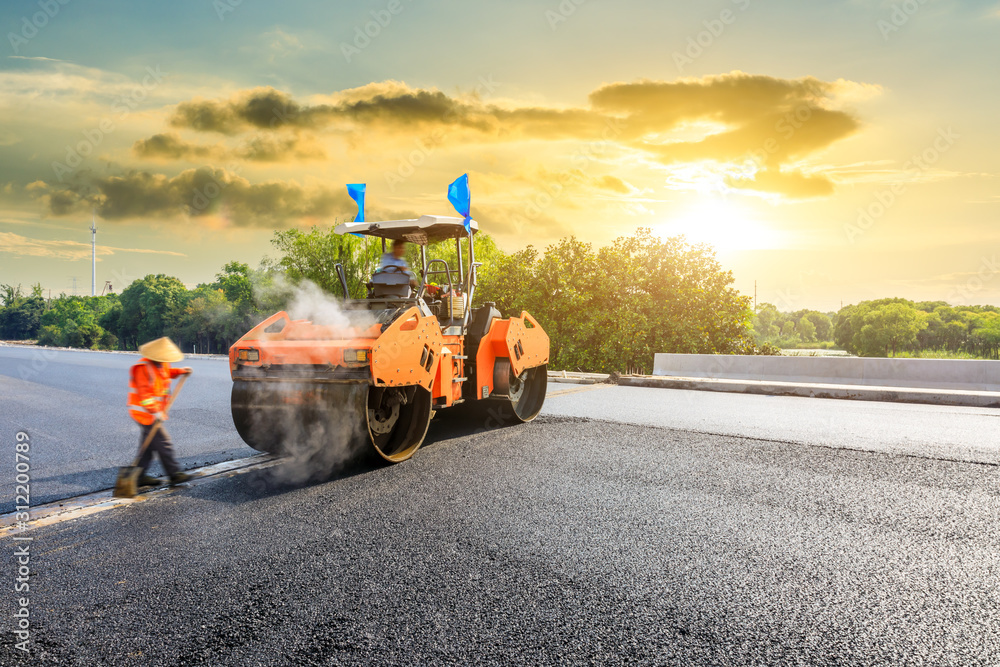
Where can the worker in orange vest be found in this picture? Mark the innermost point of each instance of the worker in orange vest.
(148, 387)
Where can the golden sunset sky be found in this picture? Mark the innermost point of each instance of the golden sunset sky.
(832, 152)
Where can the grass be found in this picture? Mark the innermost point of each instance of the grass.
(936, 354)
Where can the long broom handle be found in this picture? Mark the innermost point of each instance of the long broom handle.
(156, 424)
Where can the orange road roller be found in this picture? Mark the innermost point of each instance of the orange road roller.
(372, 382)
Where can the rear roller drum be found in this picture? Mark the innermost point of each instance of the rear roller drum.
(520, 396)
(398, 418)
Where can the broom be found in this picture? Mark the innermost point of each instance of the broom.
(127, 484)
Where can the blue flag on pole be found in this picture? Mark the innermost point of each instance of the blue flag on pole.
(357, 192)
(461, 199)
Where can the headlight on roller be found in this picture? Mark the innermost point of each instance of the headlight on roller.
(248, 355)
(355, 356)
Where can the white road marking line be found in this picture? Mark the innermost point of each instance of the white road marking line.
(91, 503)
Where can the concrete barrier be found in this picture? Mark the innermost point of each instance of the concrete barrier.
(954, 374)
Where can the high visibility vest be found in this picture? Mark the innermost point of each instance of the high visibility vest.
(147, 390)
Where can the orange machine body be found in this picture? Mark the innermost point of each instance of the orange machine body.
(410, 351)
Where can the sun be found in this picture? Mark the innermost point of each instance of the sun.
(722, 223)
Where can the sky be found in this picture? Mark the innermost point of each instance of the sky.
(830, 152)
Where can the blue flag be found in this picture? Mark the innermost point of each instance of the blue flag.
(461, 199)
(357, 192)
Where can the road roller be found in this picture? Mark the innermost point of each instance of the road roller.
(371, 382)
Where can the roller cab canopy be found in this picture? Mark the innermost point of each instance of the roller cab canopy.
(423, 230)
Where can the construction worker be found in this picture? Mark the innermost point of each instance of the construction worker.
(148, 388)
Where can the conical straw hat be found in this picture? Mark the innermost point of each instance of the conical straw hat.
(161, 349)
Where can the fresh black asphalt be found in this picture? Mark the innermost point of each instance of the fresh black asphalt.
(563, 541)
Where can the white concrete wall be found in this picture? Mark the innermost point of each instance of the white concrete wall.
(969, 374)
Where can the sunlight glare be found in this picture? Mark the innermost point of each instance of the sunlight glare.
(721, 223)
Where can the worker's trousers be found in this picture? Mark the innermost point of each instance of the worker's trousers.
(160, 444)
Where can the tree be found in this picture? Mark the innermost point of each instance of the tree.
(20, 319)
(206, 319)
(807, 330)
(312, 256)
(234, 281)
(612, 308)
(146, 305)
(888, 328)
(822, 324)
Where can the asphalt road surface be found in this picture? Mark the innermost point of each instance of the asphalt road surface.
(72, 404)
(624, 526)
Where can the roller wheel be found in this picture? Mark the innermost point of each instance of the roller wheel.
(520, 396)
(398, 418)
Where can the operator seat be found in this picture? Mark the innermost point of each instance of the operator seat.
(390, 284)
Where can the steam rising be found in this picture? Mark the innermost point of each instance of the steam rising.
(318, 427)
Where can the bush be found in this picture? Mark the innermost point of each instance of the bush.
(50, 335)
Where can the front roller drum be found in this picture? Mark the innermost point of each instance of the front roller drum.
(286, 417)
(520, 397)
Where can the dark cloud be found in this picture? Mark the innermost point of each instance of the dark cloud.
(196, 193)
(395, 107)
(257, 148)
(171, 147)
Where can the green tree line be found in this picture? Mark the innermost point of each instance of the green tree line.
(886, 328)
(605, 309)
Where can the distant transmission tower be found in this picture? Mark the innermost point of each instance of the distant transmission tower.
(93, 256)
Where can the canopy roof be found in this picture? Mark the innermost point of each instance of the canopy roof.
(423, 230)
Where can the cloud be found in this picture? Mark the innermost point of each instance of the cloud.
(170, 146)
(257, 148)
(281, 44)
(387, 106)
(793, 184)
(521, 222)
(15, 244)
(570, 189)
(728, 119)
(205, 192)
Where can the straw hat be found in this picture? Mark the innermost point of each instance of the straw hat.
(162, 350)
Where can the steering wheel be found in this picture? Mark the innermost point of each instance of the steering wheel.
(396, 269)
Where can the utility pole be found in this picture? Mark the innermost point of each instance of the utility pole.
(93, 256)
